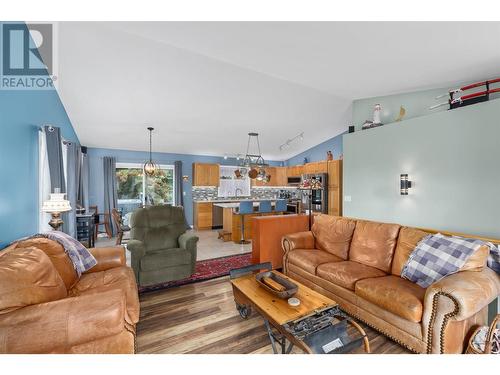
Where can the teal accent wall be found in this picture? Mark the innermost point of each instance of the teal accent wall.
(95, 155)
(452, 157)
(22, 112)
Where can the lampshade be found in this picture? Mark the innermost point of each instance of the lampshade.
(56, 203)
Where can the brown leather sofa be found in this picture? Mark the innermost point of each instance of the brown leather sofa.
(46, 308)
(358, 264)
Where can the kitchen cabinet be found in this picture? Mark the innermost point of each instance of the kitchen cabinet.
(278, 177)
(202, 215)
(335, 187)
(205, 174)
(295, 171)
(281, 176)
(316, 167)
(270, 171)
(334, 173)
(335, 201)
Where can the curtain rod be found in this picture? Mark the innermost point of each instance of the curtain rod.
(64, 141)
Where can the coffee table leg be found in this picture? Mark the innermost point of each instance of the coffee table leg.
(281, 341)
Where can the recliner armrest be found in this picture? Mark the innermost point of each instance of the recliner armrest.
(188, 241)
(300, 240)
(107, 258)
(58, 325)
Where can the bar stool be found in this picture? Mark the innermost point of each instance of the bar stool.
(265, 207)
(245, 208)
(281, 206)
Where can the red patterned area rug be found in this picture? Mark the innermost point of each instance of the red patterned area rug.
(206, 270)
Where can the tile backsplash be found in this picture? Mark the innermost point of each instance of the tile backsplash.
(210, 193)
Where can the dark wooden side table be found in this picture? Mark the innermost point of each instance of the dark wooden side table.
(85, 229)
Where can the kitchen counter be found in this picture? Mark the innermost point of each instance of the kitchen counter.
(237, 204)
(232, 200)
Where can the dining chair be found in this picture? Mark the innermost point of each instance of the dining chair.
(101, 219)
(120, 227)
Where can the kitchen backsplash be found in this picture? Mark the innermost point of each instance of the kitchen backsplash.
(210, 193)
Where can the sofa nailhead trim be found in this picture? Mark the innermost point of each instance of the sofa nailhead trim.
(445, 321)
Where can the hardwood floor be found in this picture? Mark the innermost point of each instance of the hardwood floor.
(202, 318)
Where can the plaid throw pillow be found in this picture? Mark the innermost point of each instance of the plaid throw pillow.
(437, 256)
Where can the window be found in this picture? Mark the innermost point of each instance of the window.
(230, 186)
(136, 189)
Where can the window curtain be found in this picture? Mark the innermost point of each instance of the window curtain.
(110, 192)
(73, 168)
(83, 189)
(179, 195)
(43, 182)
(179, 200)
(55, 158)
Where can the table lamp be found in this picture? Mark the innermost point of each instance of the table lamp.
(55, 206)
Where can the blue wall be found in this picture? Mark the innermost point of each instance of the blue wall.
(95, 155)
(318, 152)
(22, 112)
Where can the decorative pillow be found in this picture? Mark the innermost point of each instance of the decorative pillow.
(28, 277)
(437, 256)
(333, 234)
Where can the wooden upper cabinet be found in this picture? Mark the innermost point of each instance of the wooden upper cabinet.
(295, 171)
(316, 167)
(205, 174)
(281, 176)
(335, 173)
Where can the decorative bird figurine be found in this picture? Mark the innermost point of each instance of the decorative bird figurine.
(402, 112)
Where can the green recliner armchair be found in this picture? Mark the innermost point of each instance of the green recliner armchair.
(161, 248)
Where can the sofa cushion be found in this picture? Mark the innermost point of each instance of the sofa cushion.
(309, 259)
(114, 278)
(407, 240)
(392, 293)
(333, 234)
(57, 255)
(165, 258)
(28, 277)
(373, 244)
(347, 273)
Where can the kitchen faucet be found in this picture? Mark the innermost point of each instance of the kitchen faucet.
(236, 192)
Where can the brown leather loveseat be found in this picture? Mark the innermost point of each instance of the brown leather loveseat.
(358, 264)
(46, 308)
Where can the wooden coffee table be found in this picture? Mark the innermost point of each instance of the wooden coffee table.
(297, 325)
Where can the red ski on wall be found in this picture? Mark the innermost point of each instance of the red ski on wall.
(473, 98)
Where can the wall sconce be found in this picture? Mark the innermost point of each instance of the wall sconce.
(185, 178)
(405, 184)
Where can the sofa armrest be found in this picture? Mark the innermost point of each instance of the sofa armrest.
(59, 325)
(107, 258)
(457, 297)
(300, 240)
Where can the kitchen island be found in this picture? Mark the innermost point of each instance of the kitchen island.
(231, 220)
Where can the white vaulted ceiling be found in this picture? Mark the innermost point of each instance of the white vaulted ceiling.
(204, 86)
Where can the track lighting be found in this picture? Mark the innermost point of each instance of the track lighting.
(289, 142)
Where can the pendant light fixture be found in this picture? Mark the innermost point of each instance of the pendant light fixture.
(253, 165)
(150, 167)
